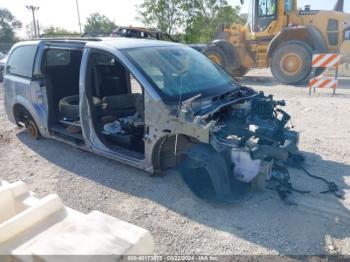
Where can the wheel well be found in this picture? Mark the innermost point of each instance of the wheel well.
(21, 114)
(163, 156)
(300, 34)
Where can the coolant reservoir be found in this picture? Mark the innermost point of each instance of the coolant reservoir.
(246, 169)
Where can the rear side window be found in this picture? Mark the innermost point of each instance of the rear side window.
(57, 57)
(21, 61)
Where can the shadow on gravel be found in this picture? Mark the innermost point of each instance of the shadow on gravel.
(262, 219)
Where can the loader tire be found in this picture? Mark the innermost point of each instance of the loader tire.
(216, 55)
(319, 71)
(291, 62)
(239, 72)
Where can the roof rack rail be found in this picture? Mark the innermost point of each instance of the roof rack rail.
(52, 35)
(77, 39)
(96, 34)
(68, 36)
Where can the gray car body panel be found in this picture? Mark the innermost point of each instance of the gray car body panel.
(31, 94)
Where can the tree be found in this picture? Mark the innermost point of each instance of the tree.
(207, 17)
(193, 21)
(52, 30)
(166, 15)
(98, 23)
(8, 25)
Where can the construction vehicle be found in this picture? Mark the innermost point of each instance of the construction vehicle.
(279, 36)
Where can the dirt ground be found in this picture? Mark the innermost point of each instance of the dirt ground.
(180, 224)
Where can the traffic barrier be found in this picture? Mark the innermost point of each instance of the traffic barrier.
(325, 61)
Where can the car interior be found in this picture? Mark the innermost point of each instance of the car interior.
(114, 95)
(61, 68)
(119, 120)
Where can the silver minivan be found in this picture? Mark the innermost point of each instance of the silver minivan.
(151, 104)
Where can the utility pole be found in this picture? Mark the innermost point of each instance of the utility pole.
(33, 9)
(38, 27)
(78, 12)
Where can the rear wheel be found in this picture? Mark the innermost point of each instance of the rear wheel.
(33, 129)
(291, 63)
(24, 118)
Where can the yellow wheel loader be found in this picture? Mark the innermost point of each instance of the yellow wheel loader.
(281, 37)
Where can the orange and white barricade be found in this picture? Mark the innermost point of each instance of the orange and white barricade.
(325, 61)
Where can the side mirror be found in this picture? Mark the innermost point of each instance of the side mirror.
(242, 2)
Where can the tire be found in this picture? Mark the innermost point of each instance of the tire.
(216, 55)
(69, 106)
(319, 71)
(291, 62)
(204, 173)
(240, 72)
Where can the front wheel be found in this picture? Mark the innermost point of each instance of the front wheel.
(291, 63)
(240, 72)
(216, 55)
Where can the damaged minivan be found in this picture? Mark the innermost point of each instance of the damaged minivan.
(154, 105)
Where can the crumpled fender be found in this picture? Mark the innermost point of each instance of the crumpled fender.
(205, 156)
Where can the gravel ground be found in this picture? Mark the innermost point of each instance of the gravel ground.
(180, 224)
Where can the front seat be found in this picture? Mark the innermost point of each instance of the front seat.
(124, 105)
(109, 80)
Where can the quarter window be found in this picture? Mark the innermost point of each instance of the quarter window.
(58, 57)
(21, 61)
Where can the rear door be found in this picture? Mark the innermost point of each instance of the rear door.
(22, 86)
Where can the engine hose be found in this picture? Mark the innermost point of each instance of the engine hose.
(284, 185)
(332, 187)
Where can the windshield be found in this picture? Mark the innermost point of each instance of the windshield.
(180, 70)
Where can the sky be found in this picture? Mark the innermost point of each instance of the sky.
(63, 13)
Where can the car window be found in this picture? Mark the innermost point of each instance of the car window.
(180, 71)
(57, 57)
(21, 61)
(136, 88)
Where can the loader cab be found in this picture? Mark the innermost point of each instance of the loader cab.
(266, 16)
(264, 13)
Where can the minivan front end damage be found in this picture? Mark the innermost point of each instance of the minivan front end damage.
(249, 135)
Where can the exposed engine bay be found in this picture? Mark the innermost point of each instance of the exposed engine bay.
(257, 130)
(252, 139)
